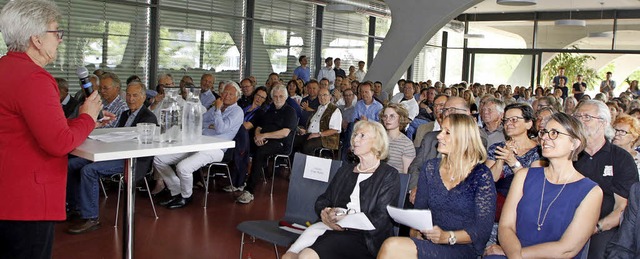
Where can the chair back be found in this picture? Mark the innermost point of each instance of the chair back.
(292, 136)
(304, 192)
(404, 188)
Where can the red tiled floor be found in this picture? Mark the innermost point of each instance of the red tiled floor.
(190, 232)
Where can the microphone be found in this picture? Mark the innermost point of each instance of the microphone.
(85, 83)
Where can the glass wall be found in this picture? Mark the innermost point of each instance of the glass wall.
(345, 36)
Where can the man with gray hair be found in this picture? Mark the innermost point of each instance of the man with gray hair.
(223, 121)
(110, 93)
(272, 136)
(491, 113)
(610, 166)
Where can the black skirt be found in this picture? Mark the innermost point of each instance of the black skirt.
(342, 244)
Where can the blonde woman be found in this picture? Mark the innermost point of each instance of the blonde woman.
(395, 117)
(471, 101)
(458, 189)
(368, 187)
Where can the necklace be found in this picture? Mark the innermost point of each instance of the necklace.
(367, 169)
(544, 181)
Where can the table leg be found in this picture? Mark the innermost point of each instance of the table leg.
(129, 202)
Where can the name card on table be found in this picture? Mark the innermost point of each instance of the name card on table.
(317, 168)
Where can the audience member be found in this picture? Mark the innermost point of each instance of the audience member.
(626, 243)
(222, 121)
(69, 104)
(434, 125)
(408, 100)
(303, 71)
(328, 73)
(579, 87)
(84, 176)
(206, 90)
(273, 133)
(379, 94)
(566, 218)
(608, 85)
(323, 128)
(459, 191)
(627, 133)
(367, 187)
(570, 105)
(310, 103)
(395, 117)
(491, 114)
(367, 108)
(360, 73)
(110, 93)
(338, 71)
(610, 166)
(294, 91)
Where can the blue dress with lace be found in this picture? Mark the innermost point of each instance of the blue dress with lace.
(468, 206)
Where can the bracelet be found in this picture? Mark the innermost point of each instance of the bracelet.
(599, 228)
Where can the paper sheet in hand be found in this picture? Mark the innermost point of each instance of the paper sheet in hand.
(317, 169)
(416, 219)
(115, 136)
(356, 221)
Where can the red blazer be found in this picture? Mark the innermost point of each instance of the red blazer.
(35, 139)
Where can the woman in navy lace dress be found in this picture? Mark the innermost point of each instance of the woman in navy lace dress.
(550, 212)
(458, 189)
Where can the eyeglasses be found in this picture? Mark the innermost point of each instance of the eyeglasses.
(391, 116)
(553, 133)
(452, 109)
(261, 97)
(342, 211)
(58, 33)
(512, 120)
(621, 133)
(586, 117)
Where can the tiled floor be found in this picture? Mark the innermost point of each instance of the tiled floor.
(190, 232)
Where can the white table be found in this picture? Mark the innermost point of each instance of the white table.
(96, 151)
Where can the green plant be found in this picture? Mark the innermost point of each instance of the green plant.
(574, 64)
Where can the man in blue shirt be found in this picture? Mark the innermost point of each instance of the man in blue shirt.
(367, 108)
(303, 72)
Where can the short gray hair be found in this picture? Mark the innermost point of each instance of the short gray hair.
(19, 20)
(235, 85)
(499, 104)
(280, 87)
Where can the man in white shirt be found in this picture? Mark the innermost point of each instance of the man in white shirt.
(324, 126)
(328, 73)
(360, 73)
(408, 100)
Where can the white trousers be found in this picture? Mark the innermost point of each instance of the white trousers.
(181, 182)
(308, 237)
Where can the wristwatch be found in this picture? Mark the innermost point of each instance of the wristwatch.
(452, 238)
(517, 165)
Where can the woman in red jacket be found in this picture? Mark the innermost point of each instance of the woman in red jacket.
(35, 137)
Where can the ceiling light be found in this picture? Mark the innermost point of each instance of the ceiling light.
(341, 8)
(571, 22)
(516, 2)
(604, 34)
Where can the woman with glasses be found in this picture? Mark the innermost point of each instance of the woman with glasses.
(35, 136)
(395, 118)
(459, 191)
(367, 187)
(257, 107)
(519, 151)
(627, 132)
(550, 211)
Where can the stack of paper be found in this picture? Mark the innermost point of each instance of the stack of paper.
(416, 219)
(115, 136)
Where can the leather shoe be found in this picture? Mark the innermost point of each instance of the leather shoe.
(179, 203)
(170, 200)
(87, 225)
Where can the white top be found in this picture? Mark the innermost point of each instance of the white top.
(360, 75)
(397, 97)
(335, 123)
(354, 204)
(96, 150)
(341, 101)
(329, 74)
(412, 107)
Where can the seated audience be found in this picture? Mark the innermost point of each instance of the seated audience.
(408, 100)
(366, 187)
(294, 91)
(83, 184)
(492, 113)
(434, 125)
(367, 108)
(459, 191)
(69, 104)
(222, 121)
(395, 117)
(206, 90)
(273, 133)
(259, 105)
(110, 93)
(554, 220)
(323, 128)
(610, 166)
(570, 105)
(627, 132)
(310, 103)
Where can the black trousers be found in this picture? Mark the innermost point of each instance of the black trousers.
(260, 160)
(26, 239)
(599, 243)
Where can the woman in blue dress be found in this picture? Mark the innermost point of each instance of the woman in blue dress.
(458, 189)
(550, 212)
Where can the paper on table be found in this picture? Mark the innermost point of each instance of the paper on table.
(317, 169)
(416, 219)
(356, 221)
(115, 136)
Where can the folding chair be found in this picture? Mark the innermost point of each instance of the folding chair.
(404, 188)
(278, 157)
(143, 168)
(301, 200)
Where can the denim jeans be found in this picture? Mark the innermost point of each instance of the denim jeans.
(87, 192)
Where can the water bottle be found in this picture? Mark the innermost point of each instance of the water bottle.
(192, 114)
(170, 119)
